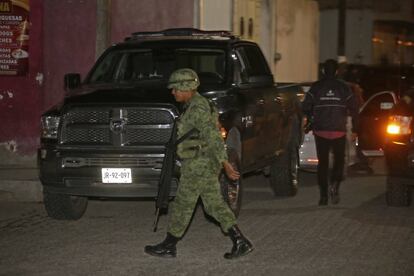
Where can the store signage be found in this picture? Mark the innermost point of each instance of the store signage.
(14, 37)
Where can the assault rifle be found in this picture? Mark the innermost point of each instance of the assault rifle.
(164, 186)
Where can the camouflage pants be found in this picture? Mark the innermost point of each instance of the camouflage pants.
(199, 178)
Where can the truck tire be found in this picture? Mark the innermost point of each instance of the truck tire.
(398, 194)
(64, 207)
(283, 175)
(232, 190)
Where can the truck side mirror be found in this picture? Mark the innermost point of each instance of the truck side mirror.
(72, 81)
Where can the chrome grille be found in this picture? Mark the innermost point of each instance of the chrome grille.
(142, 162)
(88, 135)
(136, 126)
(148, 136)
(87, 116)
(147, 117)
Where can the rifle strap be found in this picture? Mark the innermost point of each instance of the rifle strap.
(186, 135)
(156, 219)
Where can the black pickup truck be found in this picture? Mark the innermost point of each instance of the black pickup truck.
(108, 137)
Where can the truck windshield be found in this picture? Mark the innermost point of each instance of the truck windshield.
(126, 66)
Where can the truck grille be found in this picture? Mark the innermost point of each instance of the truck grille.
(154, 163)
(116, 126)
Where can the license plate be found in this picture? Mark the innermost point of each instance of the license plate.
(116, 175)
(386, 105)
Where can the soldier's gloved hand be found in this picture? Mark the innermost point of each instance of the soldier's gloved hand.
(230, 171)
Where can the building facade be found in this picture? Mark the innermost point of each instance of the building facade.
(67, 36)
(377, 32)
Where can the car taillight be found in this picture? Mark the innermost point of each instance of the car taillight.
(399, 125)
(223, 132)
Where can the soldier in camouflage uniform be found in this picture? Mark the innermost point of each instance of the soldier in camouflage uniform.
(202, 157)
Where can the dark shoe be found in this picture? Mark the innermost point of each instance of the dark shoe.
(334, 193)
(165, 249)
(323, 201)
(241, 245)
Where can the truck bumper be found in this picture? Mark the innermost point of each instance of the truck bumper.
(80, 173)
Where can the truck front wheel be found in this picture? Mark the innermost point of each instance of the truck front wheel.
(232, 190)
(283, 176)
(64, 207)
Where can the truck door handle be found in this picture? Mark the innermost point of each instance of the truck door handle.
(277, 99)
(260, 101)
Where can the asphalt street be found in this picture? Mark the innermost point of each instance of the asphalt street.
(292, 236)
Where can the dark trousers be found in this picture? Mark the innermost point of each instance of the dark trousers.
(323, 148)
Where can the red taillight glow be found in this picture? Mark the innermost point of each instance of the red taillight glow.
(399, 125)
(223, 132)
(393, 129)
(312, 160)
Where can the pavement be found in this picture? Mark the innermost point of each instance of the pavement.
(20, 184)
(292, 236)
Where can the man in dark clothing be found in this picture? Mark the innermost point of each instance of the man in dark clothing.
(327, 105)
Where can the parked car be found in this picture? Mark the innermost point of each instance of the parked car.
(373, 118)
(399, 152)
(108, 137)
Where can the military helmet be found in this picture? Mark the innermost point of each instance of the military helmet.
(184, 79)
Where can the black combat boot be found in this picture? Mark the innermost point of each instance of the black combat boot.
(165, 249)
(241, 245)
(334, 192)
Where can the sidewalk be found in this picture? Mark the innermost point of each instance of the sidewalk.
(20, 184)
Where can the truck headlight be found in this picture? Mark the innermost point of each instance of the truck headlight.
(50, 126)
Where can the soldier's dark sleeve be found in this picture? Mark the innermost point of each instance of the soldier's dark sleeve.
(202, 119)
(353, 108)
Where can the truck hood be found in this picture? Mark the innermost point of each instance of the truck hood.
(120, 94)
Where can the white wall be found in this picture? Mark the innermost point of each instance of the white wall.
(359, 28)
(215, 14)
(267, 29)
(358, 40)
(297, 40)
(328, 34)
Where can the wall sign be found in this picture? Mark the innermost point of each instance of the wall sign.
(14, 37)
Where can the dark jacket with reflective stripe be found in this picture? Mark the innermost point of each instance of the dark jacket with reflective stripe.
(328, 103)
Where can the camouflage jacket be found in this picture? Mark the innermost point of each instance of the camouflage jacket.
(208, 141)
